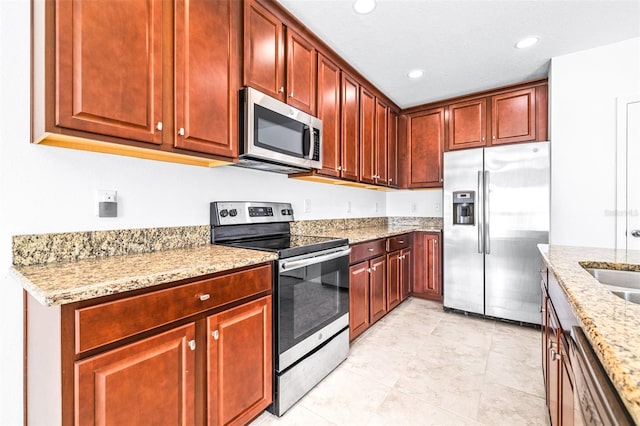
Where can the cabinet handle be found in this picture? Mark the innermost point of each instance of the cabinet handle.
(551, 345)
(494, 138)
(181, 131)
(435, 242)
(159, 125)
(339, 168)
(192, 345)
(281, 89)
(370, 249)
(215, 334)
(374, 268)
(390, 180)
(369, 270)
(291, 95)
(204, 296)
(556, 356)
(400, 241)
(441, 180)
(483, 139)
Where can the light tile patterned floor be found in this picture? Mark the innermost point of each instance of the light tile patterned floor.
(422, 366)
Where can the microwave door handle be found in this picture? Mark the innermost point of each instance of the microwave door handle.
(306, 142)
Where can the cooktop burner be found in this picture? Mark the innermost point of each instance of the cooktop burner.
(263, 226)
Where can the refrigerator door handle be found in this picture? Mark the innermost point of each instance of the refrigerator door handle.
(485, 214)
(480, 214)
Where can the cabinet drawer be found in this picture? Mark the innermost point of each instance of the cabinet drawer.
(112, 321)
(366, 250)
(399, 242)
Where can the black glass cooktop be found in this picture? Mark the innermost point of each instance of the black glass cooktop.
(289, 245)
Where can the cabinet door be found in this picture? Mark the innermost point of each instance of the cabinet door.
(392, 149)
(378, 288)
(427, 281)
(206, 39)
(329, 113)
(553, 367)
(239, 363)
(109, 68)
(263, 50)
(367, 135)
(358, 299)
(147, 382)
(380, 151)
(426, 139)
(513, 117)
(467, 124)
(406, 273)
(301, 73)
(394, 273)
(350, 128)
(566, 386)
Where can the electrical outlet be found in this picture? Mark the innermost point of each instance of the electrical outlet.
(377, 207)
(438, 207)
(348, 206)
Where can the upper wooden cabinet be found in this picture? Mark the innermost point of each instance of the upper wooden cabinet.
(264, 59)
(263, 50)
(329, 81)
(425, 139)
(116, 82)
(467, 124)
(508, 116)
(350, 144)
(392, 149)
(207, 77)
(381, 140)
(367, 135)
(109, 68)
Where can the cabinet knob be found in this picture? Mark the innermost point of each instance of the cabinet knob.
(281, 89)
(159, 125)
(215, 334)
(181, 131)
(400, 241)
(369, 270)
(204, 296)
(370, 249)
(344, 169)
(291, 95)
(390, 180)
(494, 138)
(435, 241)
(483, 139)
(339, 168)
(192, 345)
(374, 268)
(556, 356)
(441, 180)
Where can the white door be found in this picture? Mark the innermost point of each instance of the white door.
(628, 224)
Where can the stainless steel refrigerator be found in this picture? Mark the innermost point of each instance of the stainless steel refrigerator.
(496, 211)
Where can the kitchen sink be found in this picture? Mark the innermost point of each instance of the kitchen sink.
(624, 284)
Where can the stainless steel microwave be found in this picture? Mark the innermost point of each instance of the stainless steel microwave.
(277, 137)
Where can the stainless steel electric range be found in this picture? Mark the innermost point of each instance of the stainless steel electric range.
(310, 293)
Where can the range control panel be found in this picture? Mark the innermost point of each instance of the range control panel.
(246, 212)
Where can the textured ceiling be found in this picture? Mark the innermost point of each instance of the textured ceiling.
(463, 46)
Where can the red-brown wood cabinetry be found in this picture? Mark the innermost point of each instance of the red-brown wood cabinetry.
(137, 73)
(284, 68)
(367, 135)
(148, 382)
(381, 140)
(350, 144)
(239, 363)
(513, 117)
(186, 354)
(427, 281)
(377, 288)
(329, 81)
(392, 150)
(467, 124)
(425, 139)
(358, 299)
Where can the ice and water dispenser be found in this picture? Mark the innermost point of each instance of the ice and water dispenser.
(463, 207)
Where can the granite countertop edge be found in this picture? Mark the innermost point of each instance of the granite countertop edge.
(605, 318)
(365, 234)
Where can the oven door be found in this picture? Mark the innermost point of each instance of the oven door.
(312, 302)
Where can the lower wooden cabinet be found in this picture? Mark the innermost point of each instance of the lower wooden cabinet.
(147, 382)
(377, 288)
(427, 280)
(239, 363)
(399, 274)
(202, 353)
(367, 294)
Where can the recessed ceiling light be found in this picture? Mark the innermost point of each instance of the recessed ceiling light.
(527, 42)
(415, 74)
(364, 6)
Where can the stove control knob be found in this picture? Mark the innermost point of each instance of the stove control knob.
(233, 212)
(284, 212)
(224, 213)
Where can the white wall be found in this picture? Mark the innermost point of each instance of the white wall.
(583, 91)
(423, 203)
(45, 189)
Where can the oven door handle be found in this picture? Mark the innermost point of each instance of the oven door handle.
(295, 264)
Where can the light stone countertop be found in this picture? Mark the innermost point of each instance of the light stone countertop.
(66, 282)
(611, 324)
(361, 235)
